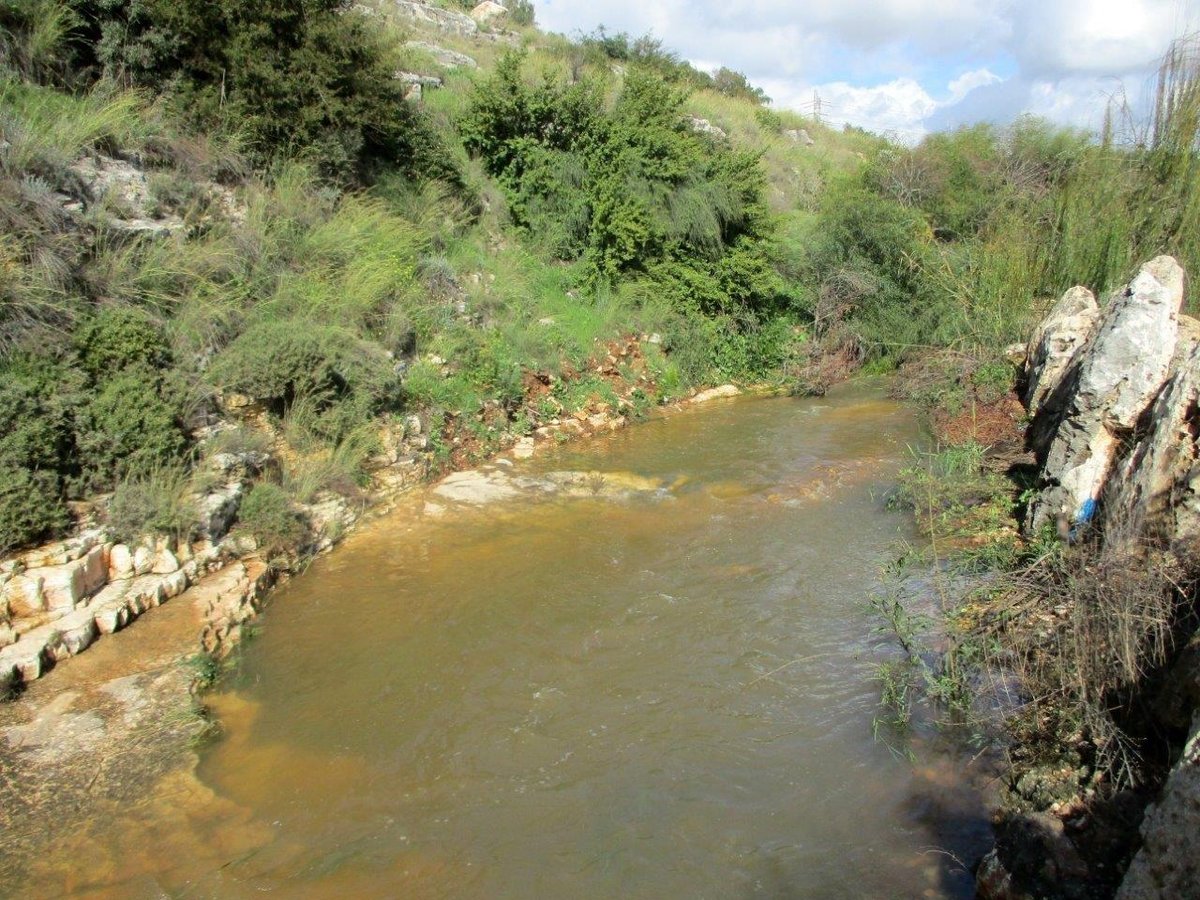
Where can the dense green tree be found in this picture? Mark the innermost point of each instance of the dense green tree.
(632, 190)
(310, 78)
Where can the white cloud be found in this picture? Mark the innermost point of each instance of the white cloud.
(1094, 37)
(926, 24)
(1077, 101)
(897, 107)
(912, 65)
(969, 81)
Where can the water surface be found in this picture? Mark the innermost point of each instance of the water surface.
(667, 694)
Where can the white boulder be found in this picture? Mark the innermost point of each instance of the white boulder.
(1118, 377)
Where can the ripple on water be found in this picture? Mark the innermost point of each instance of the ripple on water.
(595, 696)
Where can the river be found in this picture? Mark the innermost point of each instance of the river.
(658, 692)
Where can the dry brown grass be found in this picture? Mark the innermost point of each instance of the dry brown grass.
(1082, 632)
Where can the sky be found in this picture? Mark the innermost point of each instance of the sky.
(909, 67)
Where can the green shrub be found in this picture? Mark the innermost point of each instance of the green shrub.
(646, 52)
(127, 427)
(266, 512)
(279, 362)
(732, 83)
(299, 78)
(156, 502)
(521, 12)
(122, 40)
(38, 398)
(627, 191)
(31, 507)
(768, 120)
(119, 337)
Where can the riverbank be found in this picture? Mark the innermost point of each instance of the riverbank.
(103, 725)
(684, 609)
(1071, 492)
(56, 600)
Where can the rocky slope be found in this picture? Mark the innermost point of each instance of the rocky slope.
(1114, 400)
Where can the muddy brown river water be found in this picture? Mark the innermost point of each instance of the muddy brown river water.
(662, 692)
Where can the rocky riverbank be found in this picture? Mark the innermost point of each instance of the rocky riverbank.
(117, 722)
(1093, 633)
(58, 599)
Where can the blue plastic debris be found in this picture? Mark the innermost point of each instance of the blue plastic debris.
(1087, 512)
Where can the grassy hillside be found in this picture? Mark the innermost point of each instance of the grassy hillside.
(190, 219)
(211, 203)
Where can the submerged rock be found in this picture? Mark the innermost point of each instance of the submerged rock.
(717, 393)
(477, 487)
(496, 484)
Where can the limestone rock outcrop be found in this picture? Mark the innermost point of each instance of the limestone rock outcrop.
(1066, 329)
(489, 11)
(123, 189)
(1155, 494)
(416, 84)
(703, 126)
(1109, 384)
(444, 57)
(799, 136)
(435, 17)
(61, 610)
(1115, 396)
(1168, 864)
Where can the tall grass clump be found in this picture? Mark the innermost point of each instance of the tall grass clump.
(46, 129)
(1084, 634)
(957, 242)
(1138, 194)
(157, 501)
(32, 35)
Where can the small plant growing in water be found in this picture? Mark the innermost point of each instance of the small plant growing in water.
(595, 482)
(206, 669)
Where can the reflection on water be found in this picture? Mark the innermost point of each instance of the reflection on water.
(664, 695)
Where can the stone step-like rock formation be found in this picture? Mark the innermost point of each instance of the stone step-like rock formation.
(56, 611)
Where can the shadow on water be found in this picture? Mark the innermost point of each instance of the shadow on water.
(951, 829)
